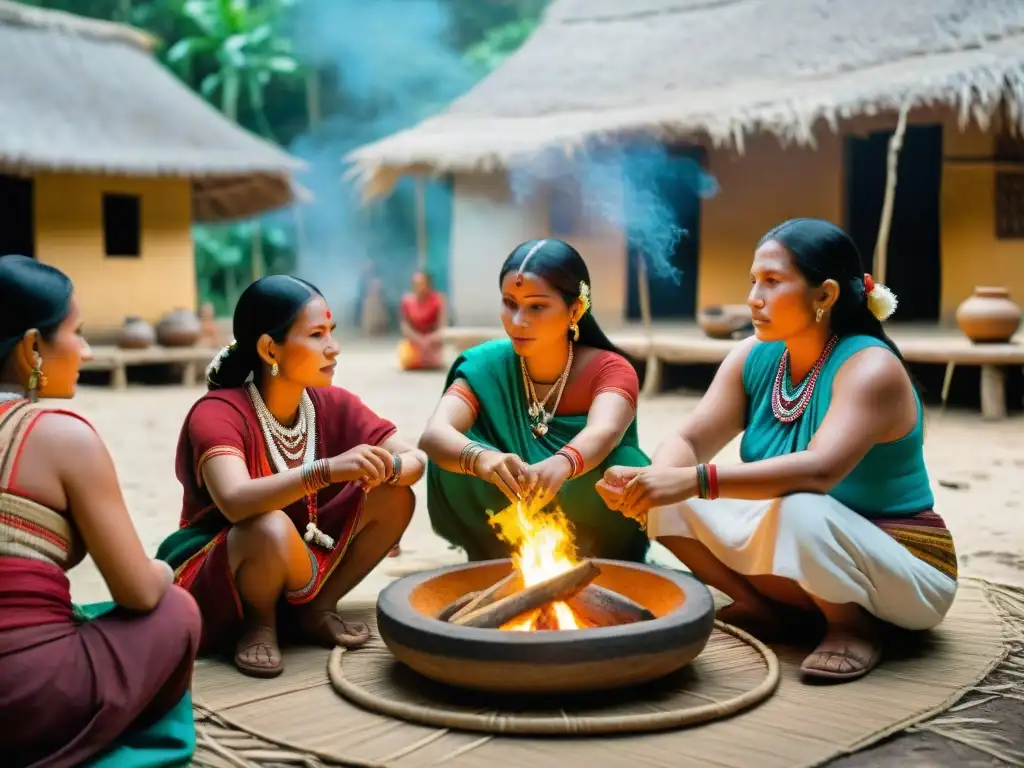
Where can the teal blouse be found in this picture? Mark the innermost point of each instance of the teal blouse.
(890, 481)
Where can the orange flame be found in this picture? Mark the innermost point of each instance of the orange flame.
(543, 549)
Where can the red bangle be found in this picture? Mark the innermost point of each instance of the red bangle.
(575, 459)
(712, 481)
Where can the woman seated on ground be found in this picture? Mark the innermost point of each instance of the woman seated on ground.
(294, 490)
(422, 318)
(830, 514)
(536, 416)
(105, 681)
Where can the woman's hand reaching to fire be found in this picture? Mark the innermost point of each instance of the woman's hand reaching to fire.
(633, 491)
(506, 471)
(545, 479)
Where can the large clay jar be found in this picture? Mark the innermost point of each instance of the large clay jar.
(136, 333)
(988, 315)
(725, 321)
(180, 328)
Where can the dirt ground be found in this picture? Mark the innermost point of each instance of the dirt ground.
(977, 472)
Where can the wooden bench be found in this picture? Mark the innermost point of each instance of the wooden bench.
(193, 362)
(686, 345)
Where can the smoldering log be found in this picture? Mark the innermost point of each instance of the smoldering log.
(601, 607)
(497, 591)
(558, 588)
(456, 605)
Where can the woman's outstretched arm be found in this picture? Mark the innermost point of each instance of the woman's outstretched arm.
(444, 439)
(718, 418)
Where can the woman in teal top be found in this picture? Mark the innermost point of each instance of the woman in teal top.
(829, 516)
(539, 416)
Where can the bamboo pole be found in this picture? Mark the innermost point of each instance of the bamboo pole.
(421, 224)
(892, 171)
(652, 377)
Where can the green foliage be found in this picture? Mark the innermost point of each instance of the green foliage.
(500, 43)
(238, 54)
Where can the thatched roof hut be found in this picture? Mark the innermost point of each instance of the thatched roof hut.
(87, 96)
(716, 70)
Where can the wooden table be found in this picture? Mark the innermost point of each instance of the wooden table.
(193, 361)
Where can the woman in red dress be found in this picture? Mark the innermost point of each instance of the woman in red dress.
(105, 684)
(294, 490)
(422, 314)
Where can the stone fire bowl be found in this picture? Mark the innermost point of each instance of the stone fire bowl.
(567, 661)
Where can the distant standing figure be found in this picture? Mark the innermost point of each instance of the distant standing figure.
(374, 320)
(423, 316)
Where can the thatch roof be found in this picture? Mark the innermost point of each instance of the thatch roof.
(715, 70)
(86, 96)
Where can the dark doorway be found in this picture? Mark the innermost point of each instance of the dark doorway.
(17, 216)
(662, 190)
(914, 262)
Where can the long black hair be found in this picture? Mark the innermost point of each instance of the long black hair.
(268, 306)
(32, 296)
(822, 251)
(561, 266)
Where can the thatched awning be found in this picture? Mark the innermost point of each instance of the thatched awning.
(86, 96)
(716, 69)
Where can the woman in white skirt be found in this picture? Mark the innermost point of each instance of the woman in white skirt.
(830, 512)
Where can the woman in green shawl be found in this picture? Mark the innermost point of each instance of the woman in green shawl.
(538, 416)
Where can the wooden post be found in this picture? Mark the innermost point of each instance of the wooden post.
(892, 170)
(652, 378)
(421, 224)
(993, 392)
(257, 251)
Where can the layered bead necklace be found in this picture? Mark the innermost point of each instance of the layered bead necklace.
(536, 408)
(291, 446)
(789, 402)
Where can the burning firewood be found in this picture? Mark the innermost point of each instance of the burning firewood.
(597, 606)
(498, 591)
(558, 588)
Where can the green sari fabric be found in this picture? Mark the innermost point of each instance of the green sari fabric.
(167, 743)
(459, 504)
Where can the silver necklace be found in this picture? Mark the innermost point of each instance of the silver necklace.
(540, 417)
(289, 444)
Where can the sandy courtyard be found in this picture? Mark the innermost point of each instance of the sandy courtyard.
(977, 468)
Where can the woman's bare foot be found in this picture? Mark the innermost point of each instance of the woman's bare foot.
(257, 653)
(328, 629)
(848, 651)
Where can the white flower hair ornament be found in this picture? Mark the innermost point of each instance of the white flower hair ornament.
(214, 366)
(882, 302)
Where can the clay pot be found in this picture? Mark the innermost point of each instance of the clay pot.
(136, 333)
(989, 315)
(180, 328)
(725, 321)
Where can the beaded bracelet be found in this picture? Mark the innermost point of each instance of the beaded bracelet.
(315, 475)
(707, 481)
(574, 457)
(396, 469)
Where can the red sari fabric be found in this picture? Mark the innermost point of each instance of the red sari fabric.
(424, 317)
(224, 422)
(71, 689)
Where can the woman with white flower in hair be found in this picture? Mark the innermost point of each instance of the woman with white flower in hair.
(829, 516)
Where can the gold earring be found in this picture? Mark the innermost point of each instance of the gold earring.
(274, 370)
(575, 332)
(819, 314)
(36, 380)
